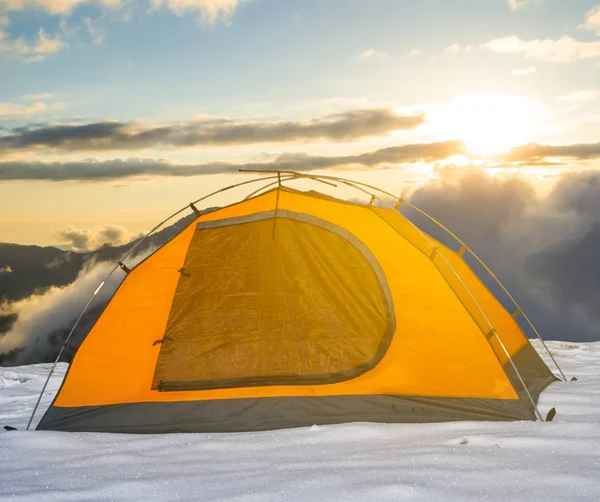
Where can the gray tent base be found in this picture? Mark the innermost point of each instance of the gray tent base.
(241, 415)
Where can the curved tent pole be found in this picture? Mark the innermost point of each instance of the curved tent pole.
(492, 329)
(518, 310)
(118, 265)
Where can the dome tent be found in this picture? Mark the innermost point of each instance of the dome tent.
(293, 308)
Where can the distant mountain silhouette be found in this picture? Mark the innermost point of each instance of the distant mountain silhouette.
(35, 268)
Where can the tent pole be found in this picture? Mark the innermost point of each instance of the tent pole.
(123, 257)
(535, 408)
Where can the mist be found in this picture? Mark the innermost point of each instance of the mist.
(44, 320)
(545, 249)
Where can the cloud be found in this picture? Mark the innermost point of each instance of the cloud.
(13, 110)
(93, 170)
(5, 270)
(37, 97)
(563, 50)
(96, 34)
(44, 320)
(535, 152)
(96, 170)
(34, 59)
(102, 136)
(515, 5)
(31, 52)
(592, 19)
(542, 248)
(211, 11)
(55, 7)
(452, 49)
(522, 72)
(371, 54)
(414, 53)
(580, 96)
(80, 239)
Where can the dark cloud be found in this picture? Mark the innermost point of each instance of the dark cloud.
(91, 170)
(535, 152)
(544, 250)
(102, 136)
(85, 239)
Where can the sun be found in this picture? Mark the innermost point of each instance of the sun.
(489, 124)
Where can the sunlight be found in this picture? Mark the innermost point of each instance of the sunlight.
(489, 124)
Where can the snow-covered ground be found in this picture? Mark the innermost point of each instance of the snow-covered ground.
(362, 462)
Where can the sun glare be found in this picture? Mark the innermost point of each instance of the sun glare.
(489, 124)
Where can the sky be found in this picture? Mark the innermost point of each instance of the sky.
(116, 113)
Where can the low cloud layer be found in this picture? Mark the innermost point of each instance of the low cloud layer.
(44, 320)
(38, 316)
(545, 250)
(84, 239)
(132, 136)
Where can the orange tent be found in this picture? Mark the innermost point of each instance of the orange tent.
(293, 308)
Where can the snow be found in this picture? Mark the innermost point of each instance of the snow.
(351, 462)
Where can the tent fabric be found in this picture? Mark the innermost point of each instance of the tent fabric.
(291, 308)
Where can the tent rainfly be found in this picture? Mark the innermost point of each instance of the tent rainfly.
(293, 308)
